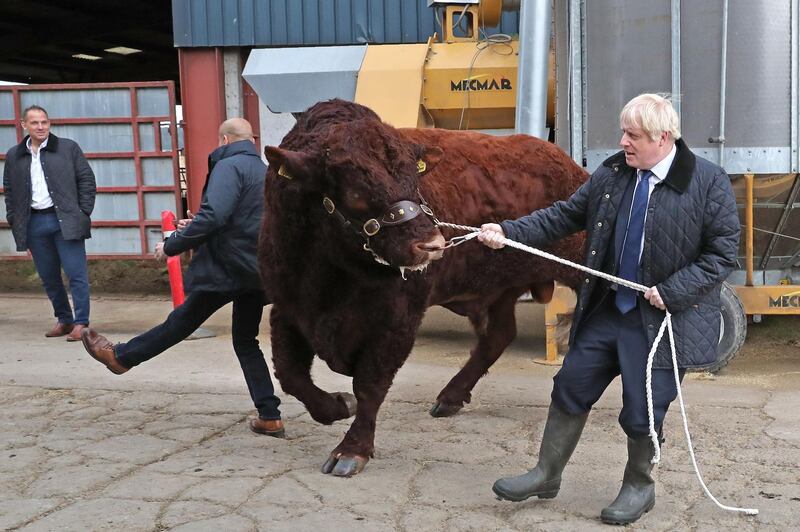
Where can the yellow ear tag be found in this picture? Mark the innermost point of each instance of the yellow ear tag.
(283, 173)
(421, 166)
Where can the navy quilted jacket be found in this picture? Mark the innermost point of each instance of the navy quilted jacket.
(224, 232)
(691, 240)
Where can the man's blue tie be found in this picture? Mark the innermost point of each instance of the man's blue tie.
(629, 260)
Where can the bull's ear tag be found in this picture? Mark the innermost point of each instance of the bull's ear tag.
(283, 173)
(421, 166)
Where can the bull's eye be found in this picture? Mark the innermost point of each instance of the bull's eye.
(356, 202)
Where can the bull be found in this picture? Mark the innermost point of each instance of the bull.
(350, 253)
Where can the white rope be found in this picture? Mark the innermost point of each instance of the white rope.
(666, 324)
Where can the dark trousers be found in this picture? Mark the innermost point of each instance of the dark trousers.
(50, 254)
(608, 344)
(184, 320)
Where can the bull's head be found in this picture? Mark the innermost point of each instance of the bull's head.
(367, 178)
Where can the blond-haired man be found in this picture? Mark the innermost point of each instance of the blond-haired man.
(658, 215)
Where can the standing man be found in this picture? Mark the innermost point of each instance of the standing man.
(224, 269)
(660, 216)
(49, 193)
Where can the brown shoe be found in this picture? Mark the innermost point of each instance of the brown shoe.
(102, 350)
(60, 329)
(268, 427)
(75, 334)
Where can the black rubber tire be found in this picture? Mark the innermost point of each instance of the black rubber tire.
(733, 328)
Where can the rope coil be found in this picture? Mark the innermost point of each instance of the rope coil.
(665, 325)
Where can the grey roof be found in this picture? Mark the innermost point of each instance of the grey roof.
(198, 23)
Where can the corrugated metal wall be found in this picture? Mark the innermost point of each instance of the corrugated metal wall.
(307, 22)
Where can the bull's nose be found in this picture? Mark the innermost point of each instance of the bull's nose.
(433, 248)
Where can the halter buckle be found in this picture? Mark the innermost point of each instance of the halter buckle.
(371, 227)
(328, 204)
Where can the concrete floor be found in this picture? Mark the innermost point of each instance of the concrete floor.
(166, 446)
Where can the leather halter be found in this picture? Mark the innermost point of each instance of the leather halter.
(397, 214)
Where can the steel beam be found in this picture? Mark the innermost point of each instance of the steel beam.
(203, 99)
(534, 39)
(781, 223)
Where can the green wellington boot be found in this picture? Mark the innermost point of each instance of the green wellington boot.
(637, 495)
(561, 434)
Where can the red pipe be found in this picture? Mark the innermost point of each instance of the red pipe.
(173, 263)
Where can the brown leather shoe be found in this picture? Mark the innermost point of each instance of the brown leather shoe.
(268, 427)
(60, 329)
(102, 350)
(75, 334)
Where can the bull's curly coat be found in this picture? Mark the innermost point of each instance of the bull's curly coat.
(331, 298)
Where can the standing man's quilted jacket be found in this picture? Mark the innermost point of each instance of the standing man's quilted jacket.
(691, 240)
(70, 183)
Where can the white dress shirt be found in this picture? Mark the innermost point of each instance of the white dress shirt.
(40, 196)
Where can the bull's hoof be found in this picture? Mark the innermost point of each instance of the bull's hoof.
(441, 409)
(348, 400)
(341, 465)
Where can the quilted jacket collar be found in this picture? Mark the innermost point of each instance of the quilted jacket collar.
(680, 173)
(52, 144)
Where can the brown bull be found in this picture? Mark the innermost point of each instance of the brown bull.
(350, 262)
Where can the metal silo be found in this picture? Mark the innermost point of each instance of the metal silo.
(732, 65)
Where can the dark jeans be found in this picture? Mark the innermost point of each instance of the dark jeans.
(184, 320)
(609, 344)
(50, 253)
